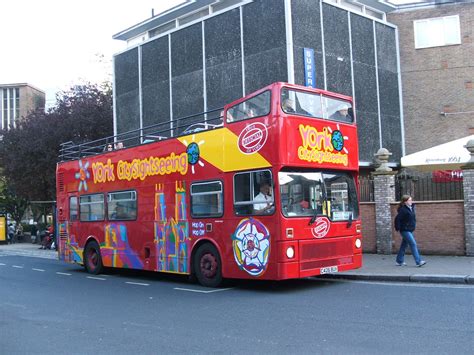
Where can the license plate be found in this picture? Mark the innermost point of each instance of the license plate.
(328, 270)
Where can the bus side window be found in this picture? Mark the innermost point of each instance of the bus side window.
(92, 208)
(122, 205)
(73, 209)
(207, 199)
(254, 107)
(253, 193)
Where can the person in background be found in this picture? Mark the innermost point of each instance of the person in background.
(119, 212)
(230, 118)
(19, 233)
(288, 106)
(405, 223)
(34, 232)
(11, 233)
(263, 202)
(342, 114)
(250, 112)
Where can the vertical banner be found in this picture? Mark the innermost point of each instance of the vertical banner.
(309, 76)
(3, 229)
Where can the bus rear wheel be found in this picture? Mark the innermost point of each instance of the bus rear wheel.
(208, 266)
(92, 258)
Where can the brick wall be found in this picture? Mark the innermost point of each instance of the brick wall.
(439, 228)
(367, 214)
(468, 182)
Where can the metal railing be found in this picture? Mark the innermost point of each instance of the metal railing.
(160, 131)
(428, 188)
(366, 189)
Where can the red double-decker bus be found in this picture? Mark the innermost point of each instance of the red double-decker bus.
(265, 189)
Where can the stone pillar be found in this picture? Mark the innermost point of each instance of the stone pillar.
(468, 185)
(384, 195)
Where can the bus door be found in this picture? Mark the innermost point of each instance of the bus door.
(254, 207)
(68, 228)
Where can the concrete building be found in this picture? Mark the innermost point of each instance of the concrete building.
(17, 100)
(206, 53)
(436, 42)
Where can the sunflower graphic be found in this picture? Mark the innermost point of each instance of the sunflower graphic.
(82, 175)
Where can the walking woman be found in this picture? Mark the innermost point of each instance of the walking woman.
(405, 223)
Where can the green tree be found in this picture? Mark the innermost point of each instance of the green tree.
(11, 203)
(29, 152)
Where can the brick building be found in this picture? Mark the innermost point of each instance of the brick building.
(436, 43)
(16, 101)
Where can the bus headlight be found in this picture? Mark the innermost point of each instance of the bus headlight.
(358, 243)
(290, 252)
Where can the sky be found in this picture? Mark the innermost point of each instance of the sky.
(54, 44)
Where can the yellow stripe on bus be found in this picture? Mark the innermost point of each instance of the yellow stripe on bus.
(220, 148)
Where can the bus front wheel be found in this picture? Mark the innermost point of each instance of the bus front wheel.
(208, 266)
(92, 258)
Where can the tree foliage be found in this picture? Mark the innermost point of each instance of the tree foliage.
(10, 203)
(29, 152)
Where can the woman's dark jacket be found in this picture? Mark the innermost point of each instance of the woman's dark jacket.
(406, 219)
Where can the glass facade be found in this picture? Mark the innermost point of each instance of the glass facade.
(10, 112)
(224, 56)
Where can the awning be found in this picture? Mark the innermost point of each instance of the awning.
(447, 156)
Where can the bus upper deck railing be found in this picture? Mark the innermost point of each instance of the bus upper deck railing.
(159, 131)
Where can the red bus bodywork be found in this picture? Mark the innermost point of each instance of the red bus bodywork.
(164, 235)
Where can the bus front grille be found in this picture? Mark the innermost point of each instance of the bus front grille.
(327, 249)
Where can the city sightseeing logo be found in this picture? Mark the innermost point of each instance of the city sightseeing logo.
(325, 146)
(321, 228)
(252, 138)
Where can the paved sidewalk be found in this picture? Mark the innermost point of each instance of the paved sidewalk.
(439, 269)
(27, 249)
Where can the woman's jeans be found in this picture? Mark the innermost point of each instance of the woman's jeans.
(408, 239)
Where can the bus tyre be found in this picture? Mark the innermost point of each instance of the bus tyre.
(92, 258)
(208, 266)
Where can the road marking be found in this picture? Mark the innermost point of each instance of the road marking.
(201, 291)
(96, 278)
(63, 273)
(137, 283)
(17, 266)
(2, 264)
(38, 270)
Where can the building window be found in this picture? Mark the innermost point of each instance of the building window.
(437, 32)
(17, 103)
(162, 29)
(11, 120)
(5, 109)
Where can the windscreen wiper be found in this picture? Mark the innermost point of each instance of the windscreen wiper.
(349, 223)
(311, 221)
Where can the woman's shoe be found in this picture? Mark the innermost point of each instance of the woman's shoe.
(422, 262)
